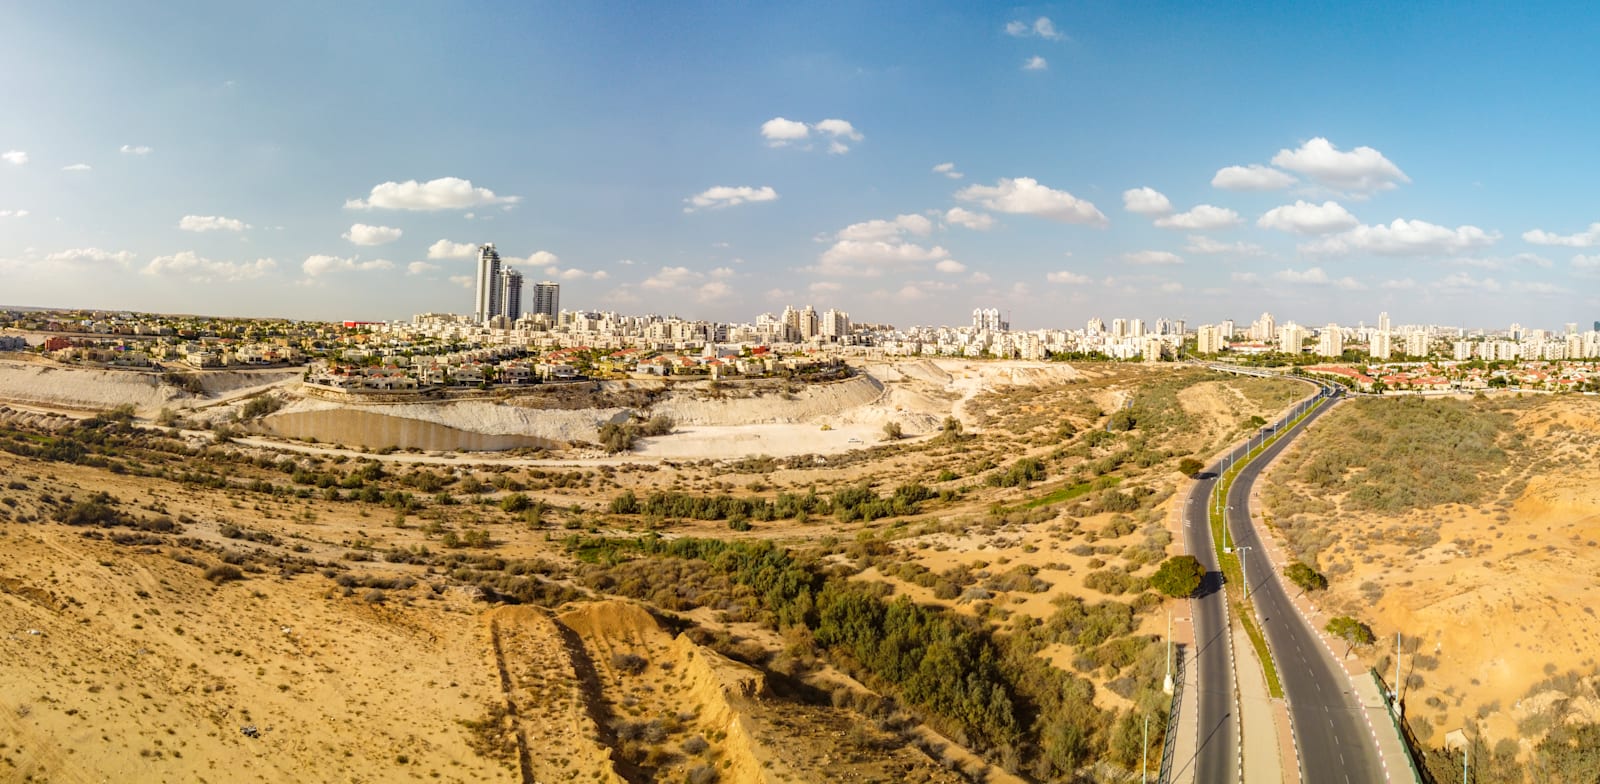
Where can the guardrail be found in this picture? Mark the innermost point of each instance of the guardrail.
(1400, 728)
(1169, 747)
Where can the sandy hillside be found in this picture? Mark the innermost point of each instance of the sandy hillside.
(1496, 598)
(92, 389)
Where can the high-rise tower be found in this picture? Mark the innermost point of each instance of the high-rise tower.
(486, 305)
(547, 300)
(511, 294)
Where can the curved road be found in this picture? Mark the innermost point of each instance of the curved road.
(1330, 729)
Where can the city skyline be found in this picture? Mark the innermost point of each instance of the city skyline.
(1064, 164)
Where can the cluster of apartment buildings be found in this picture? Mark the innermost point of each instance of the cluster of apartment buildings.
(497, 297)
(1384, 341)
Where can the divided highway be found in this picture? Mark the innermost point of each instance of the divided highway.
(1330, 729)
(1333, 740)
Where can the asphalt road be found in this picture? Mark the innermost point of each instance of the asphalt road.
(1217, 755)
(1330, 731)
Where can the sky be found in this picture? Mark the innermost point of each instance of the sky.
(906, 162)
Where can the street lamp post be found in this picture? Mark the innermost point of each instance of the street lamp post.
(1167, 684)
(1225, 520)
(1244, 573)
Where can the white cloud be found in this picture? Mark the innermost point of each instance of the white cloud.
(670, 277)
(1317, 277)
(1040, 28)
(858, 258)
(780, 132)
(1583, 239)
(825, 287)
(445, 249)
(948, 170)
(1199, 243)
(1171, 287)
(197, 268)
(886, 229)
(1463, 281)
(1025, 196)
(1146, 201)
(578, 274)
(721, 273)
(320, 264)
(421, 268)
(445, 193)
(13, 213)
(90, 254)
(1254, 177)
(1202, 217)
(464, 281)
(1150, 257)
(1583, 262)
(542, 258)
(1403, 284)
(839, 128)
(362, 234)
(1498, 262)
(977, 221)
(950, 266)
(1546, 289)
(720, 196)
(979, 277)
(1245, 277)
(1403, 238)
(1304, 217)
(132, 149)
(77, 167)
(910, 292)
(713, 291)
(1071, 278)
(1036, 63)
(1362, 170)
(14, 157)
(211, 223)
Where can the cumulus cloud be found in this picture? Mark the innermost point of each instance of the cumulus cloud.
(542, 258)
(362, 234)
(1315, 276)
(464, 281)
(1036, 63)
(1303, 217)
(421, 268)
(1025, 196)
(135, 149)
(1152, 257)
(713, 290)
(783, 132)
(1244, 277)
(1199, 243)
(717, 197)
(951, 267)
(190, 265)
(1583, 239)
(1202, 217)
(1254, 177)
(14, 157)
(977, 221)
(670, 278)
(578, 274)
(1535, 287)
(825, 287)
(870, 258)
(886, 229)
(1146, 201)
(1039, 28)
(445, 249)
(1070, 278)
(13, 213)
(948, 170)
(77, 167)
(445, 193)
(200, 223)
(1583, 262)
(75, 255)
(780, 131)
(721, 272)
(1461, 281)
(1403, 238)
(318, 265)
(1363, 170)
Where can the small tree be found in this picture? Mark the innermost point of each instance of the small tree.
(892, 431)
(1190, 466)
(1351, 631)
(1179, 576)
(1306, 577)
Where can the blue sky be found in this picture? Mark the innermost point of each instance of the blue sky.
(333, 160)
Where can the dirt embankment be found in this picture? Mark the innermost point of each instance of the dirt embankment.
(82, 388)
(701, 405)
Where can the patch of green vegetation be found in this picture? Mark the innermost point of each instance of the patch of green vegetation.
(1268, 666)
(1070, 491)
